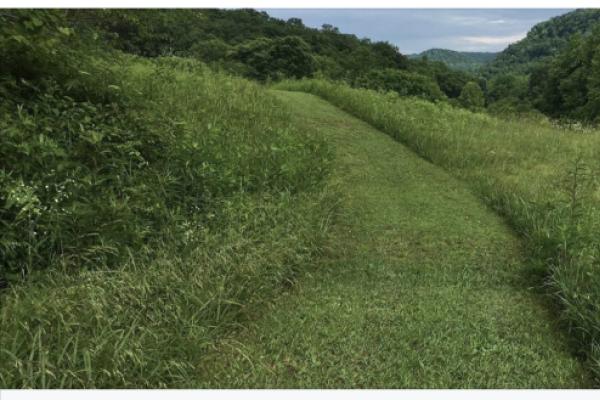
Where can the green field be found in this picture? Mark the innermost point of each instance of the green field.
(228, 200)
(421, 286)
(540, 177)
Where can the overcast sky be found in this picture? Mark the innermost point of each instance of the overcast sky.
(415, 30)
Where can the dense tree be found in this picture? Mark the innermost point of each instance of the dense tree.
(291, 57)
(211, 50)
(507, 86)
(405, 83)
(450, 81)
(569, 84)
(471, 96)
(272, 58)
(458, 60)
(220, 36)
(543, 41)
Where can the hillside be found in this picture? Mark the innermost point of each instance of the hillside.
(543, 41)
(253, 44)
(460, 60)
(174, 214)
(243, 41)
(145, 205)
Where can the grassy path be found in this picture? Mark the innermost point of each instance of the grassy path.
(421, 286)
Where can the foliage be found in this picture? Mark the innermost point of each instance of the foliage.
(568, 86)
(252, 44)
(223, 36)
(74, 162)
(503, 86)
(459, 60)
(404, 83)
(450, 81)
(145, 207)
(541, 178)
(271, 59)
(543, 40)
(551, 70)
(471, 96)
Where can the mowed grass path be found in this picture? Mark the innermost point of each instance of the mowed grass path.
(421, 286)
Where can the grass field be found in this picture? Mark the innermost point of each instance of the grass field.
(228, 208)
(541, 178)
(166, 224)
(421, 286)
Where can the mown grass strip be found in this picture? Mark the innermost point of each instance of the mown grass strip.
(542, 178)
(421, 286)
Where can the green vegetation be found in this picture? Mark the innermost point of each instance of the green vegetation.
(241, 41)
(527, 78)
(402, 82)
(569, 85)
(544, 41)
(421, 286)
(540, 177)
(461, 60)
(146, 207)
(471, 97)
(553, 70)
(252, 44)
(154, 202)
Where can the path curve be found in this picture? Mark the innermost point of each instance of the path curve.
(421, 286)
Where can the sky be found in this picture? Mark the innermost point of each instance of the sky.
(415, 30)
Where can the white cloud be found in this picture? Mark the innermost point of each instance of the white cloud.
(493, 40)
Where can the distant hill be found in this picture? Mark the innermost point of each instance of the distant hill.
(460, 60)
(544, 40)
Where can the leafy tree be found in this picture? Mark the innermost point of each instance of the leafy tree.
(255, 54)
(226, 38)
(270, 59)
(593, 104)
(507, 86)
(450, 81)
(472, 97)
(211, 50)
(291, 57)
(458, 60)
(543, 41)
(405, 83)
(295, 22)
(568, 86)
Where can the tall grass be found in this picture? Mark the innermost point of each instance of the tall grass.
(542, 178)
(209, 202)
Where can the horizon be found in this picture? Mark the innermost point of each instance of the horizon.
(462, 30)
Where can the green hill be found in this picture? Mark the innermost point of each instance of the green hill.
(460, 60)
(254, 45)
(170, 221)
(544, 40)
